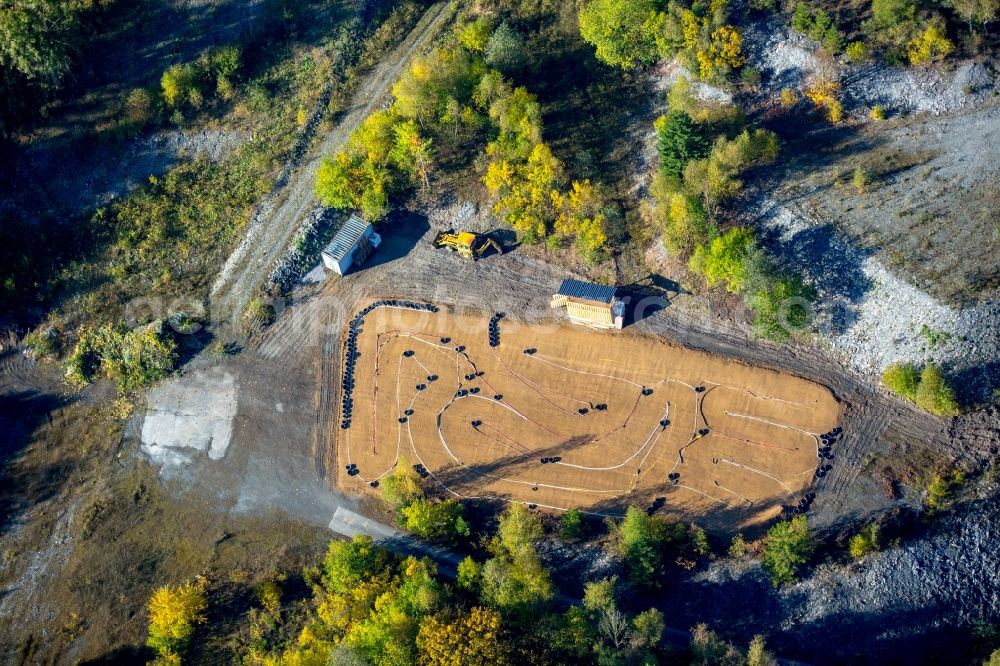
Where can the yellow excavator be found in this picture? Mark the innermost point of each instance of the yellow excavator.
(467, 244)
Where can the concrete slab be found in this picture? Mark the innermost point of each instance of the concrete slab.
(190, 416)
(350, 524)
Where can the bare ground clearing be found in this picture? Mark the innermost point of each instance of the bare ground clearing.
(564, 417)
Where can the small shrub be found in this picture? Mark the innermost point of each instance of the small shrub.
(864, 542)
(738, 546)
(259, 315)
(699, 541)
(942, 488)
(177, 84)
(823, 95)
(44, 344)
(789, 98)
(571, 524)
(750, 76)
(860, 180)
(834, 111)
(707, 647)
(138, 110)
(857, 52)
(902, 379)
(934, 394)
(878, 112)
(934, 338)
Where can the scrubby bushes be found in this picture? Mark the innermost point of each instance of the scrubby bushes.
(131, 358)
(818, 25)
(191, 85)
(864, 542)
(647, 543)
(823, 93)
(434, 520)
(904, 29)
(708, 648)
(929, 389)
(942, 488)
(449, 97)
(693, 181)
(902, 379)
(928, 45)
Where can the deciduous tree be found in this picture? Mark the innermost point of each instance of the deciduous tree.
(173, 614)
(474, 638)
(788, 547)
(624, 32)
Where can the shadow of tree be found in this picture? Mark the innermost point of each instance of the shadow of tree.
(21, 413)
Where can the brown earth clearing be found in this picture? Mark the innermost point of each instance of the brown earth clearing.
(564, 417)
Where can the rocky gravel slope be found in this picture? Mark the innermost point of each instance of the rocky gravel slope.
(916, 603)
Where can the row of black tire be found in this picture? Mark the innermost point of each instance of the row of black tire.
(351, 350)
(827, 440)
(494, 328)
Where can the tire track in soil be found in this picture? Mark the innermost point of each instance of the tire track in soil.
(874, 422)
(522, 286)
(276, 220)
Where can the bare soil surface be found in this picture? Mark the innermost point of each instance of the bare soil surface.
(288, 380)
(565, 417)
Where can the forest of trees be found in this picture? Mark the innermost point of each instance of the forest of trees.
(460, 99)
(370, 606)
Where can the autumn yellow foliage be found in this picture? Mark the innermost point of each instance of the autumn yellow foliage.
(173, 614)
(724, 53)
(579, 216)
(928, 46)
(823, 95)
(472, 639)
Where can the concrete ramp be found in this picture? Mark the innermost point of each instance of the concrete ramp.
(350, 524)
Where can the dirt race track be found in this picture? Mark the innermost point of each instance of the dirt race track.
(561, 417)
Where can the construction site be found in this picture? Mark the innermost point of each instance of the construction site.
(557, 416)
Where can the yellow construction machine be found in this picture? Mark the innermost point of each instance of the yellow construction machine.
(467, 244)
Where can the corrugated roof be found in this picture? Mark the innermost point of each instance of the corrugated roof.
(346, 237)
(586, 291)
